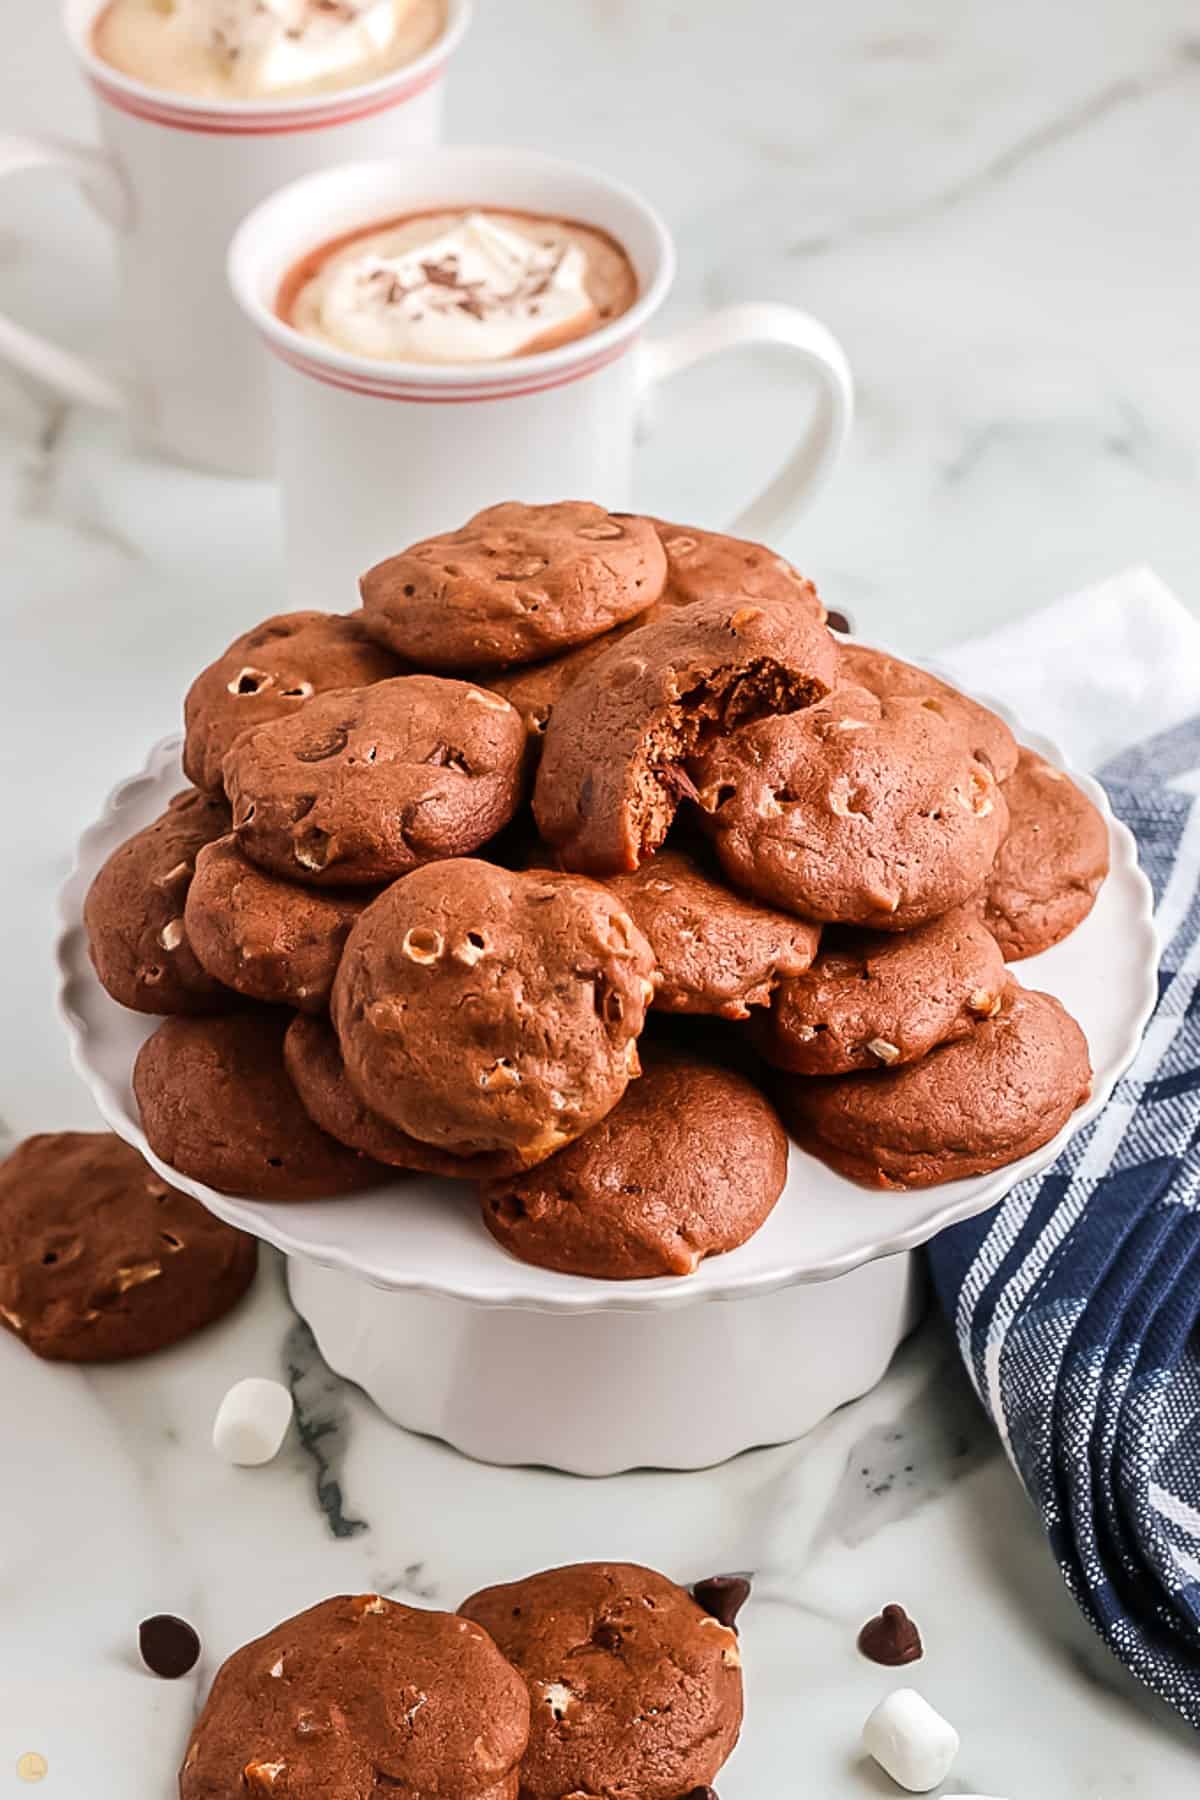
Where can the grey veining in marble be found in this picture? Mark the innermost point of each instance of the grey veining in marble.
(321, 1425)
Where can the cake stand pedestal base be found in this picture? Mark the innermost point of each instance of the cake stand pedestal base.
(596, 1393)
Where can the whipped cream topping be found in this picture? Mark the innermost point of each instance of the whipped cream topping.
(268, 46)
(479, 292)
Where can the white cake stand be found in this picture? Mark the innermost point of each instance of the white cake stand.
(409, 1296)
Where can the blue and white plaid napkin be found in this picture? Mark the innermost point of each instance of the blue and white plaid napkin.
(1077, 1302)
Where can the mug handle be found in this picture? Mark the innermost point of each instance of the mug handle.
(74, 378)
(818, 354)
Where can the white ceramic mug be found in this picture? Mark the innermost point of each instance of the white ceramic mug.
(175, 175)
(372, 454)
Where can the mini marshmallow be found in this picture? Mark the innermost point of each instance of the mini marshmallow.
(252, 1422)
(910, 1741)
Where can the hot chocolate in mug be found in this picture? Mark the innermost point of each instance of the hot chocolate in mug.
(176, 172)
(374, 452)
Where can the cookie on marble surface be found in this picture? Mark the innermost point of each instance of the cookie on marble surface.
(267, 938)
(217, 1105)
(857, 811)
(615, 756)
(967, 1108)
(888, 676)
(100, 1260)
(876, 999)
(688, 1164)
(634, 1688)
(313, 1059)
(358, 1697)
(134, 912)
(514, 585)
(483, 1010)
(1049, 868)
(717, 951)
(366, 784)
(270, 672)
(711, 565)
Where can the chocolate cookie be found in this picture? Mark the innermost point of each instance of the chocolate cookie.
(717, 951)
(100, 1260)
(515, 584)
(269, 939)
(269, 673)
(857, 811)
(875, 999)
(134, 912)
(970, 1107)
(358, 1697)
(688, 1164)
(313, 1059)
(216, 1104)
(482, 1010)
(635, 1689)
(888, 677)
(615, 755)
(709, 565)
(366, 784)
(1049, 868)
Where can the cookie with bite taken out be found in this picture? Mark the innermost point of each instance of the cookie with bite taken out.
(621, 742)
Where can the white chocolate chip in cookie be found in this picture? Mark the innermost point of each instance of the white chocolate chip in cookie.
(985, 1003)
(731, 1654)
(136, 1276)
(558, 1697)
(422, 946)
(172, 934)
(261, 1776)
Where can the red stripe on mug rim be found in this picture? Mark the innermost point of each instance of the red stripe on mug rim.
(221, 123)
(351, 383)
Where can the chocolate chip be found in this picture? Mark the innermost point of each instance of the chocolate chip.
(891, 1638)
(702, 1793)
(722, 1597)
(837, 621)
(169, 1646)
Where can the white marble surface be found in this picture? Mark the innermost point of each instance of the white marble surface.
(994, 207)
(903, 1496)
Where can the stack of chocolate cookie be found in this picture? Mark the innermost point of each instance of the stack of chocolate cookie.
(449, 865)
